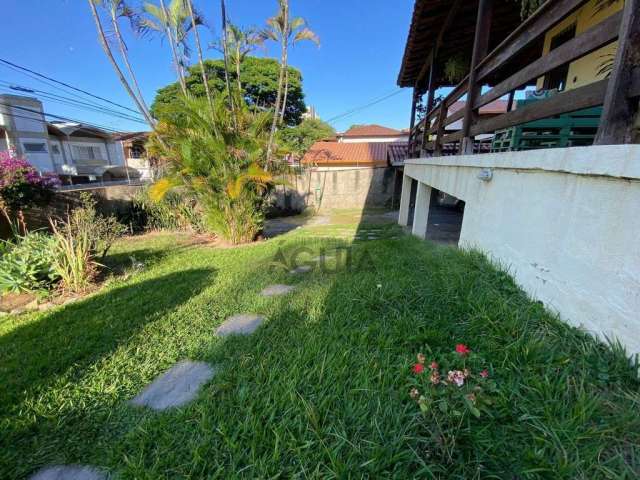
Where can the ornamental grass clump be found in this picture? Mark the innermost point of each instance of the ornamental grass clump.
(451, 391)
(82, 241)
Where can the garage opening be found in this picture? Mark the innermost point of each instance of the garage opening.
(444, 223)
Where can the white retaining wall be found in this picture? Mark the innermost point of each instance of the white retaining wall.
(565, 222)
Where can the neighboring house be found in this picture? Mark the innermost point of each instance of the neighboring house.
(563, 221)
(78, 153)
(346, 155)
(132, 147)
(373, 133)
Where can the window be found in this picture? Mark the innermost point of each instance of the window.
(137, 151)
(82, 152)
(557, 78)
(35, 147)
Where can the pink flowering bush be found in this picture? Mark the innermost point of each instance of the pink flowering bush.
(450, 392)
(21, 185)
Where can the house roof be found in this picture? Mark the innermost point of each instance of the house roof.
(343, 154)
(372, 131)
(429, 16)
(76, 129)
(122, 136)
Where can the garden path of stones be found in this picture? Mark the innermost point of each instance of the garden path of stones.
(177, 386)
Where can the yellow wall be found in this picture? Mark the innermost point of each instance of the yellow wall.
(585, 69)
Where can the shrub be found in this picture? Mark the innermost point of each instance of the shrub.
(21, 186)
(177, 211)
(82, 241)
(218, 157)
(27, 264)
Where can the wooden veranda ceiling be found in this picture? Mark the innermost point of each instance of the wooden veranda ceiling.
(429, 16)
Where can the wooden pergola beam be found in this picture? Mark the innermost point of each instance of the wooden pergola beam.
(619, 110)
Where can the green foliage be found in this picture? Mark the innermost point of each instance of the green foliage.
(299, 139)
(456, 68)
(218, 158)
(26, 263)
(259, 79)
(176, 211)
(82, 240)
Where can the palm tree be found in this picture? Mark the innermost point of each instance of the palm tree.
(282, 21)
(287, 32)
(194, 26)
(118, 9)
(174, 23)
(240, 42)
(217, 160)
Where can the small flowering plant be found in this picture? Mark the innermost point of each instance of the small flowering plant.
(21, 185)
(455, 384)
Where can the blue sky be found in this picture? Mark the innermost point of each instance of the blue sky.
(358, 61)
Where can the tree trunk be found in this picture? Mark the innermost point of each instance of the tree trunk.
(286, 91)
(174, 52)
(112, 60)
(125, 58)
(225, 54)
(238, 62)
(200, 57)
(283, 66)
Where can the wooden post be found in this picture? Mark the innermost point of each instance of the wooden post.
(616, 123)
(442, 115)
(430, 99)
(412, 122)
(512, 95)
(480, 50)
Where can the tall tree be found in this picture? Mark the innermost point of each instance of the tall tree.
(240, 42)
(297, 31)
(174, 22)
(203, 71)
(259, 81)
(118, 9)
(282, 20)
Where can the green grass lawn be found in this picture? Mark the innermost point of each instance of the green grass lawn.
(320, 390)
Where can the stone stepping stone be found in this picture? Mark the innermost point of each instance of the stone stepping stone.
(275, 290)
(301, 269)
(242, 324)
(69, 472)
(177, 386)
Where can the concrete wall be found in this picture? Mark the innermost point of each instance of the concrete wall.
(565, 222)
(329, 188)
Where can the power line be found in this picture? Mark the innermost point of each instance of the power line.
(33, 72)
(60, 117)
(363, 107)
(72, 102)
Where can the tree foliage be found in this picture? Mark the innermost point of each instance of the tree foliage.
(217, 158)
(299, 139)
(259, 80)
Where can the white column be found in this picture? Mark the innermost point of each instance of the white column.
(405, 198)
(421, 216)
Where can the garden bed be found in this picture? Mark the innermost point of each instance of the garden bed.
(323, 388)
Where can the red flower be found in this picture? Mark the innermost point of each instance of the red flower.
(462, 349)
(434, 365)
(418, 368)
(484, 373)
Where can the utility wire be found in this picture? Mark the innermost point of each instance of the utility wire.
(348, 113)
(75, 103)
(60, 117)
(40, 75)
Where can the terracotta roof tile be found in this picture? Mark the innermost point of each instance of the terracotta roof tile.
(347, 154)
(372, 131)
